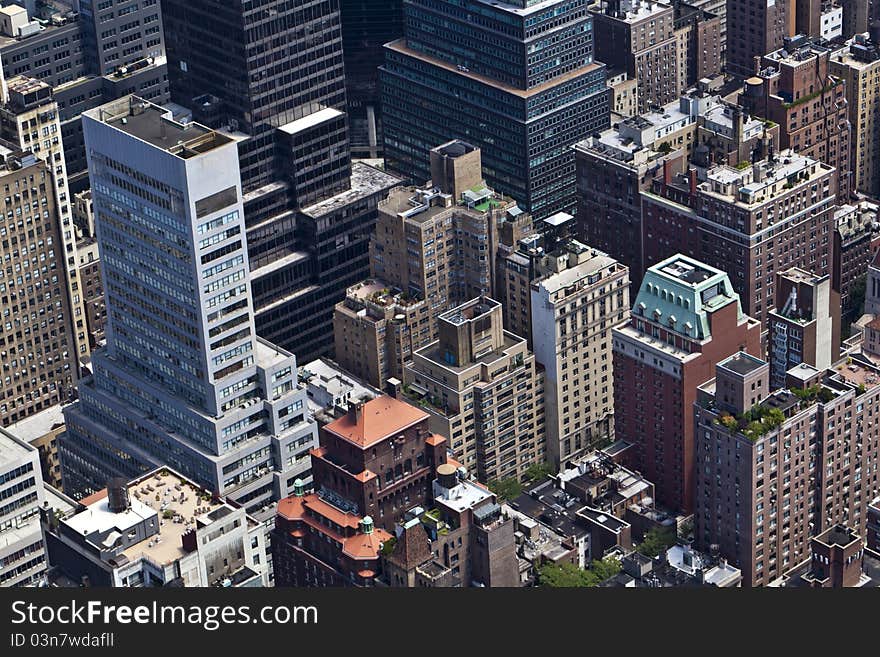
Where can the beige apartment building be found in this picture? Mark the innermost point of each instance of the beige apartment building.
(480, 386)
(580, 295)
(433, 247)
(858, 64)
(29, 118)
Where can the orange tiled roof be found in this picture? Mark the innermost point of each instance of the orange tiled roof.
(294, 508)
(365, 546)
(94, 497)
(874, 323)
(291, 508)
(435, 439)
(380, 418)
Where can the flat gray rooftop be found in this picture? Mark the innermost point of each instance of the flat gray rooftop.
(154, 125)
(742, 363)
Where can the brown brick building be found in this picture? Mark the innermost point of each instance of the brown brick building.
(755, 27)
(851, 255)
(776, 469)
(389, 509)
(463, 540)
(795, 89)
(639, 37)
(750, 222)
(433, 248)
(698, 34)
(685, 319)
(373, 464)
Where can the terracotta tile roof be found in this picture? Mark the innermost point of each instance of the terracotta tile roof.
(94, 497)
(365, 546)
(294, 508)
(380, 418)
(291, 508)
(874, 323)
(435, 439)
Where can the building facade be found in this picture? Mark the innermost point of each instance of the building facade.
(858, 65)
(775, 469)
(804, 326)
(685, 319)
(367, 25)
(434, 247)
(639, 37)
(578, 297)
(374, 464)
(479, 385)
(520, 82)
(183, 381)
(22, 549)
(797, 89)
(29, 118)
(160, 529)
(37, 336)
(754, 28)
(309, 210)
(751, 222)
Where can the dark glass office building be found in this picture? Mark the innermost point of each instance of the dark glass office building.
(273, 72)
(515, 78)
(367, 25)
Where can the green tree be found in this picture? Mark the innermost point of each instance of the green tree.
(606, 568)
(657, 541)
(537, 471)
(564, 575)
(506, 489)
(569, 575)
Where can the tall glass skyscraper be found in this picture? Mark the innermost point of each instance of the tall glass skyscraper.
(184, 381)
(515, 78)
(367, 25)
(273, 71)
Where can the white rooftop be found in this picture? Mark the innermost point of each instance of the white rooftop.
(12, 450)
(98, 517)
(310, 121)
(38, 425)
(567, 277)
(464, 495)
(268, 355)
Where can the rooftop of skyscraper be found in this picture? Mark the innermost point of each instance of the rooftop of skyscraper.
(764, 181)
(365, 181)
(634, 11)
(154, 125)
(177, 506)
(571, 262)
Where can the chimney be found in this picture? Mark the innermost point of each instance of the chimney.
(737, 125)
(667, 172)
(692, 183)
(355, 411)
(117, 495)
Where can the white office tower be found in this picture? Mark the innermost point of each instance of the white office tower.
(183, 380)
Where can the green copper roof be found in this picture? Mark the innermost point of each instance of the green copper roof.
(679, 292)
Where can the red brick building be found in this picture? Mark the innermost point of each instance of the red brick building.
(749, 222)
(373, 465)
(686, 318)
(796, 90)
